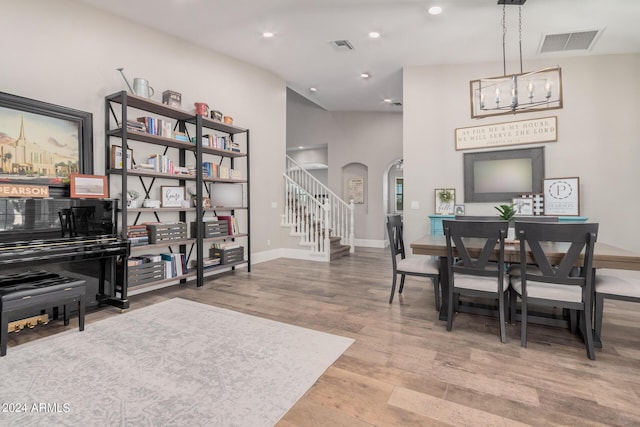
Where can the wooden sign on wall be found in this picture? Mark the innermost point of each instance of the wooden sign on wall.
(22, 190)
(532, 131)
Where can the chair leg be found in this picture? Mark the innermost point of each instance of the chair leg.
(436, 290)
(588, 330)
(393, 287)
(81, 313)
(513, 305)
(450, 311)
(501, 316)
(401, 284)
(598, 314)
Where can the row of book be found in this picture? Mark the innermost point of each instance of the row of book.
(160, 163)
(214, 170)
(138, 234)
(221, 142)
(154, 126)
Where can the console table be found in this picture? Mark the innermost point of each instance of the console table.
(437, 230)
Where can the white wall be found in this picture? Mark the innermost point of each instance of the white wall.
(598, 139)
(66, 53)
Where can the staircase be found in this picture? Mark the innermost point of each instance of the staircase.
(322, 220)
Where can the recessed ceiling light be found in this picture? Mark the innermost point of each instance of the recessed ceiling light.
(312, 89)
(268, 34)
(300, 147)
(374, 34)
(388, 100)
(435, 10)
(365, 75)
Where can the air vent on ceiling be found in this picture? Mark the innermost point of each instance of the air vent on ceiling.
(342, 44)
(582, 40)
(397, 104)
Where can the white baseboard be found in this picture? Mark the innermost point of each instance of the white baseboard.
(303, 254)
(370, 243)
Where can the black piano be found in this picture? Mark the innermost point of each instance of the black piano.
(75, 238)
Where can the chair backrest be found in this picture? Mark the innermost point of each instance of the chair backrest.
(396, 242)
(471, 247)
(559, 250)
(535, 218)
(476, 218)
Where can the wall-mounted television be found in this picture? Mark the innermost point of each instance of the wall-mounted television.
(499, 176)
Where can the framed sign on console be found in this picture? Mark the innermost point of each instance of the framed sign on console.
(562, 196)
(43, 144)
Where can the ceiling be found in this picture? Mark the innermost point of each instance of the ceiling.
(301, 53)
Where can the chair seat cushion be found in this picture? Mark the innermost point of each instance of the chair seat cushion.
(618, 285)
(418, 264)
(548, 291)
(478, 283)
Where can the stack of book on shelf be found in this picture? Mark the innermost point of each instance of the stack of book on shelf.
(174, 264)
(210, 170)
(161, 163)
(138, 234)
(158, 127)
(136, 126)
(235, 147)
(207, 262)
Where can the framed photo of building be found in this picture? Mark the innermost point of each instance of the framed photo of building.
(43, 144)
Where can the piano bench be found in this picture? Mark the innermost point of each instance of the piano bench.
(41, 290)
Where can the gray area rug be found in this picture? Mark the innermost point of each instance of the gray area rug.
(176, 363)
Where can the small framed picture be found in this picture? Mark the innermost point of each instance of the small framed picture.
(459, 210)
(538, 202)
(445, 200)
(523, 206)
(116, 157)
(172, 196)
(562, 196)
(88, 186)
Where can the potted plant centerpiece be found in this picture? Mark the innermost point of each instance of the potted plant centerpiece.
(506, 213)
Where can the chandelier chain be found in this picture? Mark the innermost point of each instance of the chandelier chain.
(504, 38)
(520, 35)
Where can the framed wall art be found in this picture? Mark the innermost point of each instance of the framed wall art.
(445, 201)
(523, 205)
(562, 196)
(43, 144)
(88, 186)
(171, 196)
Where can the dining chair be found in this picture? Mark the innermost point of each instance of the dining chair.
(412, 265)
(472, 268)
(621, 288)
(562, 277)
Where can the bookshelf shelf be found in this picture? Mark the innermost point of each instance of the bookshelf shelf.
(124, 114)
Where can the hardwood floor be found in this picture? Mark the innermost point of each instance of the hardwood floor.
(405, 369)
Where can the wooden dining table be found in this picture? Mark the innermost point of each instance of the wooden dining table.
(605, 256)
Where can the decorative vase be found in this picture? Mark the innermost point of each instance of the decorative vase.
(132, 204)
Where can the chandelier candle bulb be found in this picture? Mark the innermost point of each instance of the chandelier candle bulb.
(547, 86)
